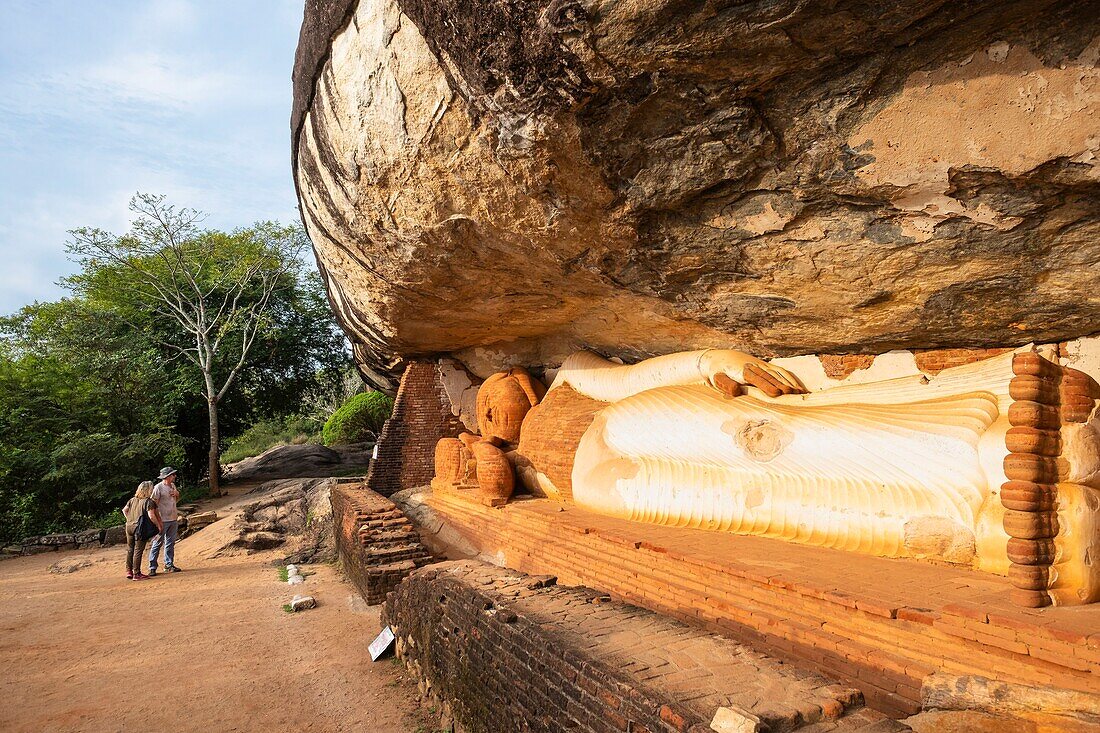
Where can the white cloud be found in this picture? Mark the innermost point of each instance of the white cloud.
(156, 78)
(189, 98)
(149, 78)
(166, 16)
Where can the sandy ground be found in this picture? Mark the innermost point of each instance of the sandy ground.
(209, 649)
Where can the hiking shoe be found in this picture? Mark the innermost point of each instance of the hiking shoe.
(173, 569)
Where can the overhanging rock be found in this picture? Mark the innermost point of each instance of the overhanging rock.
(506, 181)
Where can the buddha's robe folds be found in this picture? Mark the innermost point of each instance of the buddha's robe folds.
(905, 467)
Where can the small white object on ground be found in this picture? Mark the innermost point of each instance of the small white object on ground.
(293, 575)
(301, 603)
(381, 643)
(734, 720)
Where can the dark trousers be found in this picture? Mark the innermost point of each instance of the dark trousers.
(135, 550)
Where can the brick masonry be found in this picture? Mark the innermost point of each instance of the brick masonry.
(934, 361)
(378, 546)
(551, 433)
(840, 366)
(421, 416)
(512, 652)
(881, 625)
(929, 361)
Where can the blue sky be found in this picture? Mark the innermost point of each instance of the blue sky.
(100, 99)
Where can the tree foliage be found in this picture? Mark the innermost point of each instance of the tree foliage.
(359, 419)
(77, 428)
(212, 289)
(94, 399)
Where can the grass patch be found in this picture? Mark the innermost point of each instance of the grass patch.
(110, 519)
(288, 608)
(268, 434)
(284, 574)
(193, 493)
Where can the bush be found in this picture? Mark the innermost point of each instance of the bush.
(268, 434)
(359, 419)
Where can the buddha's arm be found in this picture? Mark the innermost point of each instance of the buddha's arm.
(721, 365)
(722, 369)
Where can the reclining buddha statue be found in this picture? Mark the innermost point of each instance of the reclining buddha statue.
(994, 464)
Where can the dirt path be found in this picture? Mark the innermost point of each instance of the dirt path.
(209, 649)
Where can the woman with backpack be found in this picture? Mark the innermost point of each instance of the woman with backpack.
(142, 523)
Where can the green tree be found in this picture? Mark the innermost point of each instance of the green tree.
(92, 401)
(205, 295)
(79, 422)
(360, 418)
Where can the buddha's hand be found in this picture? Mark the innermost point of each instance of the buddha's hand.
(727, 371)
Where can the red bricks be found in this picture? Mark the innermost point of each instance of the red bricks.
(917, 615)
(551, 433)
(508, 652)
(929, 361)
(934, 361)
(421, 416)
(940, 619)
(839, 366)
(377, 545)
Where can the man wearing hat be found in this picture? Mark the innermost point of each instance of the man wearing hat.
(165, 494)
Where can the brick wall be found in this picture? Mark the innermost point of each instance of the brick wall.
(551, 433)
(377, 544)
(929, 361)
(839, 366)
(511, 652)
(879, 624)
(421, 416)
(934, 361)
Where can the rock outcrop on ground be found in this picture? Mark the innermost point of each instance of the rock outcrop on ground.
(508, 180)
(296, 461)
(294, 515)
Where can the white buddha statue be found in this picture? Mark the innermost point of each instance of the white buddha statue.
(716, 439)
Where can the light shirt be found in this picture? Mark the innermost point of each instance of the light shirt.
(134, 509)
(165, 497)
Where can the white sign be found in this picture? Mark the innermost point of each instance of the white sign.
(381, 643)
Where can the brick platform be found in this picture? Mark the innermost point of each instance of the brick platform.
(880, 624)
(512, 652)
(377, 544)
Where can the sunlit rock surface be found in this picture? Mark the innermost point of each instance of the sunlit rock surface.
(507, 180)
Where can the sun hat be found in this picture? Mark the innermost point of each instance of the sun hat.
(166, 472)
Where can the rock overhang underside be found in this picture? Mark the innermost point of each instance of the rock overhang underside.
(505, 182)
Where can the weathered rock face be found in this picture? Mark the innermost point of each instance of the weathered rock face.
(509, 180)
(298, 461)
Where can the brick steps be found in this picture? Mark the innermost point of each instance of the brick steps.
(377, 544)
(881, 624)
